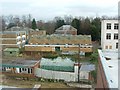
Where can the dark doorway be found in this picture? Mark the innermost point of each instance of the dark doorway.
(57, 48)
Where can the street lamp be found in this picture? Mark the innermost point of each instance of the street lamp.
(78, 63)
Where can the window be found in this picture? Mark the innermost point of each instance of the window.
(108, 36)
(116, 26)
(10, 52)
(116, 45)
(110, 47)
(115, 36)
(22, 69)
(106, 47)
(108, 25)
(23, 38)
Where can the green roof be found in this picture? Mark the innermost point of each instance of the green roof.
(12, 49)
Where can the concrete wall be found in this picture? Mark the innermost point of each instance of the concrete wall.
(67, 76)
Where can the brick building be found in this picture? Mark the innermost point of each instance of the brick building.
(63, 43)
(66, 30)
(15, 37)
(20, 67)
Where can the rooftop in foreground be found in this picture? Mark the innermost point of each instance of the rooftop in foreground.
(109, 60)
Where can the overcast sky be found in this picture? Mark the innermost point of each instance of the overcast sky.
(48, 9)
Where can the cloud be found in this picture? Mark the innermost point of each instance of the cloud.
(46, 9)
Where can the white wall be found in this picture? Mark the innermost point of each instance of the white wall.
(104, 30)
(67, 76)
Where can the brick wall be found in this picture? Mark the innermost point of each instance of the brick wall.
(101, 78)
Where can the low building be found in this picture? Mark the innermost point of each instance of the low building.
(14, 37)
(85, 71)
(107, 73)
(59, 43)
(11, 52)
(37, 32)
(66, 30)
(20, 67)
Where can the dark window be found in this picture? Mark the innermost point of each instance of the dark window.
(116, 26)
(108, 36)
(115, 36)
(20, 70)
(10, 52)
(23, 69)
(108, 25)
(116, 45)
(28, 70)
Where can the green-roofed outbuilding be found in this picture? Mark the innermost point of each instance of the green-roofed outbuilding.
(11, 51)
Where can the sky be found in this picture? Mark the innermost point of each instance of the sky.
(48, 9)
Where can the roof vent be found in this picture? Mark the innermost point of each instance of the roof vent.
(111, 81)
(110, 66)
(107, 58)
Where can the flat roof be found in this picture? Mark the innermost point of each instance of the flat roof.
(87, 67)
(11, 49)
(110, 66)
(19, 63)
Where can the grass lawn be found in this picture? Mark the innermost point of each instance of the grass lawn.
(30, 83)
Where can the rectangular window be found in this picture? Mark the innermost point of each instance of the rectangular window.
(106, 47)
(20, 70)
(110, 47)
(116, 45)
(115, 36)
(116, 26)
(108, 25)
(108, 36)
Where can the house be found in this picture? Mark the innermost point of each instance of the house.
(108, 69)
(109, 34)
(66, 30)
(20, 67)
(11, 51)
(59, 43)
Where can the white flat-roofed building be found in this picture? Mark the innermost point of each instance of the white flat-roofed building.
(109, 34)
(107, 74)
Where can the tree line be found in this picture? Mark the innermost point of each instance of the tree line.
(84, 25)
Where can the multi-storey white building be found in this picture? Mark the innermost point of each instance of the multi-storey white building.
(109, 34)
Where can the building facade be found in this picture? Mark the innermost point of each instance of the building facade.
(109, 34)
(60, 43)
(14, 37)
(20, 67)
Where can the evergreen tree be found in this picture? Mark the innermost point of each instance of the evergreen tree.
(59, 23)
(34, 25)
(76, 24)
